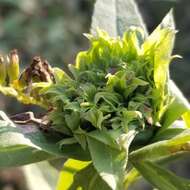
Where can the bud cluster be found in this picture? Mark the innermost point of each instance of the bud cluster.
(9, 67)
(25, 86)
(38, 71)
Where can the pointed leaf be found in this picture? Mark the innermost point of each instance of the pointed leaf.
(177, 108)
(116, 16)
(161, 178)
(161, 40)
(163, 149)
(168, 21)
(109, 162)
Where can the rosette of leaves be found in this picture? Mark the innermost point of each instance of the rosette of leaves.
(115, 115)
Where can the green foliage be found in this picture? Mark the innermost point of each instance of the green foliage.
(161, 178)
(178, 107)
(178, 143)
(115, 83)
(76, 174)
(115, 108)
(27, 144)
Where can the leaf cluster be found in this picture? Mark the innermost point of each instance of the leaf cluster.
(115, 111)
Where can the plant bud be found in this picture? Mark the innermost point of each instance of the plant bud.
(13, 66)
(24, 78)
(3, 73)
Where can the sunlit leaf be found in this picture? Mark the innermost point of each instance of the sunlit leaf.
(177, 108)
(186, 118)
(110, 162)
(80, 175)
(21, 97)
(162, 149)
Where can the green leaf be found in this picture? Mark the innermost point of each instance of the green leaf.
(161, 178)
(163, 57)
(186, 118)
(163, 149)
(110, 98)
(66, 177)
(8, 91)
(60, 75)
(80, 175)
(170, 132)
(88, 91)
(158, 47)
(109, 162)
(177, 108)
(17, 150)
(73, 120)
(155, 37)
(21, 97)
(24, 144)
(107, 137)
(95, 117)
(116, 16)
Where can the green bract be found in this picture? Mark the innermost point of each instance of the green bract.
(118, 84)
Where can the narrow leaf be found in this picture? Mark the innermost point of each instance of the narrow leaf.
(161, 178)
(163, 149)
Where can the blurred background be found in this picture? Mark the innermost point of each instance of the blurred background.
(53, 29)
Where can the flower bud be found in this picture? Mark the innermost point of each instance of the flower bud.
(2, 70)
(13, 66)
(24, 78)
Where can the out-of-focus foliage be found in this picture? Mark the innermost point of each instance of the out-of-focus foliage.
(49, 28)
